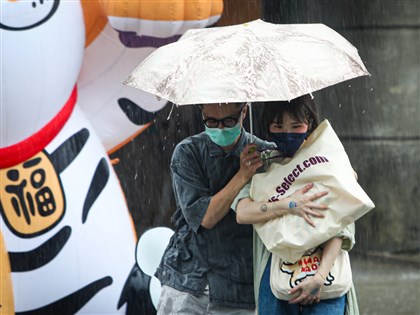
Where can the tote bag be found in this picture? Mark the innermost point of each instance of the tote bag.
(285, 276)
(320, 160)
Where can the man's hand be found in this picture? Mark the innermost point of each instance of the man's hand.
(250, 161)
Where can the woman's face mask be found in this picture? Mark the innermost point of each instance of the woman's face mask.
(288, 143)
(288, 134)
(225, 136)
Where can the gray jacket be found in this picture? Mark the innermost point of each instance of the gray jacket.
(196, 257)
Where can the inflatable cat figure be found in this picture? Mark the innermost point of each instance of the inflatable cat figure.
(67, 238)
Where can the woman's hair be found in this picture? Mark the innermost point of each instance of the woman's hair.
(301, 109)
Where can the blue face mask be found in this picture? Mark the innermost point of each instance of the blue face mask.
(224, 137)
(288, 143)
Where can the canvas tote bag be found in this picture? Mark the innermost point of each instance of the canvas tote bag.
(320, 160)
(284, 276)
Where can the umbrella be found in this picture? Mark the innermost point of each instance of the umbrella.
(250, 62)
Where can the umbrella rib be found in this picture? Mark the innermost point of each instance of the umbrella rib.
(280, 70)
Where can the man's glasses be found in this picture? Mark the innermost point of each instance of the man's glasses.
(227, 122)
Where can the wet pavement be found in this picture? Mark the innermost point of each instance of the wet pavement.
(387, 286)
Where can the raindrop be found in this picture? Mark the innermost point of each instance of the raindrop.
(170, 113)
(350, 85)
(163, 148)
(339, 105)
(363, 112)
(135, 176)
(371, 89)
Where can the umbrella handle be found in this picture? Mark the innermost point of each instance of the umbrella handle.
(251, 129)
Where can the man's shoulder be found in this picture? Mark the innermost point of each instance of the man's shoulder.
(192, 143)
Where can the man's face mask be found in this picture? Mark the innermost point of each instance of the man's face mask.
(288, 143)
(231, 129)
(225, 136)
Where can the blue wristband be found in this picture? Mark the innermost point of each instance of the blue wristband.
(292, 204)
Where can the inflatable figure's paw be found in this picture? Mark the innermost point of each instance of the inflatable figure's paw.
(136, 294)
(135, 113)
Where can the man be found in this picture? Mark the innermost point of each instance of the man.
(207, 266)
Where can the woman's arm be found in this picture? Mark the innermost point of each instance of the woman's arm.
(249, 211)
(310, 288)
(220, 203)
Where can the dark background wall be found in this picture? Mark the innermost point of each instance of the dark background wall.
(377, 118)
(144, 162)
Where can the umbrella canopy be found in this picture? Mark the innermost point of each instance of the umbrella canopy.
(255, 61)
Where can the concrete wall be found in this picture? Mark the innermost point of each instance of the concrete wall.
(377, 118)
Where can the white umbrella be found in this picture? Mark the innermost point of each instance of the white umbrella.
(255, 61)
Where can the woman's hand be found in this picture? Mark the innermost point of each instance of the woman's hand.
(250, 161)
(310, 291)
(304, 205)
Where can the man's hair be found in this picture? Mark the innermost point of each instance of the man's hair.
(301, 109)
(237, 105)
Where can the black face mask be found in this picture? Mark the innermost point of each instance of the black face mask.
(288, 143)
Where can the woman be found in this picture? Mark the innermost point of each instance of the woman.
(288, 124)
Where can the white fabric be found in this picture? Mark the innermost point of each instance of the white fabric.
(323, 161)
(285, 276)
